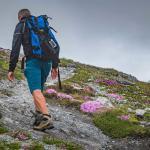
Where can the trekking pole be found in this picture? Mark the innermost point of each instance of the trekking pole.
(22, 64)
(59, 80)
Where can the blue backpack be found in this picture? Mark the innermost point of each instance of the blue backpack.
(43, 42)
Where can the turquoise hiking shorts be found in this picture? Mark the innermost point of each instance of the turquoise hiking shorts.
(36, 72)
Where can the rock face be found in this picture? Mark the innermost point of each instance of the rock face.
(128, 77)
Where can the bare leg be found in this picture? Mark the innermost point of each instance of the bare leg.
(39, 101)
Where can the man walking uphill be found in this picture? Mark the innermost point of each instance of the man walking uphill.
(42, 53)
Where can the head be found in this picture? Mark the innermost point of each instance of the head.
(23, 13)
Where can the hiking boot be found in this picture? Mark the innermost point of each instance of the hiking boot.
(38, 117)
(43, 122)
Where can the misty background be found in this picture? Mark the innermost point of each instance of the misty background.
(105, 33)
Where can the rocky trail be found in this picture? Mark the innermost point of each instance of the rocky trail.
(16, 104)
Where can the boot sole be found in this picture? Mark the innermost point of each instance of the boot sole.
(45, 128)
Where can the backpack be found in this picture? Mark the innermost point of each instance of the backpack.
(43, 42)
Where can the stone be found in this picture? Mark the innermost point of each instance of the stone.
(105, 102)
(130, 110)
(89, 90)
(140, 112)
(76, 86)
(145, 123)
(147, 109)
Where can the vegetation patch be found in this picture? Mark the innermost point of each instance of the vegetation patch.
(112, 125)
(36, 146)
(10, 146)
(61, 143)
(3, 129)
(4, 65)
(21, 135)
(122, 90)
(65, 62)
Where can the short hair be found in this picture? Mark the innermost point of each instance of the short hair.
(24, 13)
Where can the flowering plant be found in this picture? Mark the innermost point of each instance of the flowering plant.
(87, 98)
(90, 106)
(61, 96)
(64, 96)
(51, 91)
(107, 82)
(124, 117)
(115, 96)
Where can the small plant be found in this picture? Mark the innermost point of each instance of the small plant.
(3, 129)
(91, 106)
(36, 146)
(10, 146)
(61, 143)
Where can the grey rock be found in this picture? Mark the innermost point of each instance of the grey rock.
(7, 138)
(144, 123)
(139, 112)
(130, 110)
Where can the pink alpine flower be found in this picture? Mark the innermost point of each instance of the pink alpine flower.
(115, 96)
(111, 82)
(87, 98)
(51, 91)
(64, 96)
(98, 81)
(124, 117)
(107, 82)
(90, 106)
(22, 136)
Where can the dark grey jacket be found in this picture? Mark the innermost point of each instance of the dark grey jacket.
(22, 37)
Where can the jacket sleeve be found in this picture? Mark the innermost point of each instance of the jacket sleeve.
(16, 44)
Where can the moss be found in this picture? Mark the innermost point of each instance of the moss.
(10, 146)
(133, 119)
(36, 146)
(3, 129)
(61, 143)
(145, 87)
(147, 117)
(112, 126)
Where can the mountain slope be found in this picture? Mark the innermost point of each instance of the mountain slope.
(120, 102)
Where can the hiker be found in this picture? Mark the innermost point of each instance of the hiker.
(38, 61)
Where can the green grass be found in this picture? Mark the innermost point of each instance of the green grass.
(4, 65)
(9, 146)
(36, 146)
(65, 62)
(3, 129)
(116, 128)
(61, 143)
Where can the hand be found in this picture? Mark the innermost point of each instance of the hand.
(54, 73)
(10, 76)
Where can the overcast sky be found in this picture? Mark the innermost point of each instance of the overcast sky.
(106, 33)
